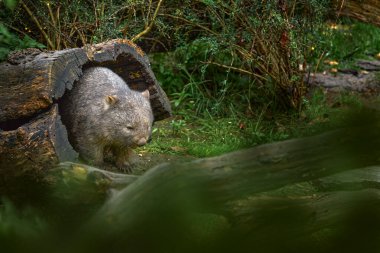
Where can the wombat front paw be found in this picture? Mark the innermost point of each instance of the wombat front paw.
(126, 167)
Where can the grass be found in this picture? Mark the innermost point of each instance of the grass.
(344, 42)
(204, 136)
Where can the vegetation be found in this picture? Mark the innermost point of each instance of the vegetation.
(255, 66)
(230, 87)
(343, 42)
(9, 42)
(187, 134)
(234, 73)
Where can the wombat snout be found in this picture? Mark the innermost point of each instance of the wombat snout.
(141, 142)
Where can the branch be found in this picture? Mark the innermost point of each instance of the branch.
(243, 71)
(149, 27)
(189, 22)
(38, 24)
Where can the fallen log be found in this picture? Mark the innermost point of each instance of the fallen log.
(238, 198)
(244, 173)
(369, 65)
(236, 201)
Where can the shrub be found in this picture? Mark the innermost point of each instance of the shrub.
(225, 52)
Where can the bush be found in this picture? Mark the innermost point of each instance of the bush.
(225, 55)
(10, 42)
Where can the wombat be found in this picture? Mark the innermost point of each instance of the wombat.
(103, 114)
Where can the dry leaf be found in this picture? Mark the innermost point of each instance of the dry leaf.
(178, 149)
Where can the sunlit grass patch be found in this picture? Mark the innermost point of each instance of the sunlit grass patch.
(203, 135)
(340, 44)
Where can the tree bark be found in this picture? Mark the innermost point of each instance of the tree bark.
(33, 148)
(32, 80)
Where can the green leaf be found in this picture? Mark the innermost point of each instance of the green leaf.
(10, 4)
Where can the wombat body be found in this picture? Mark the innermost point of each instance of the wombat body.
(103, 114)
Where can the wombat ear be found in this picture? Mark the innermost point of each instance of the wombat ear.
(111, 99)
(145, 94)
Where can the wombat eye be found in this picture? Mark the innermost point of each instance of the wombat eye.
(130, 127)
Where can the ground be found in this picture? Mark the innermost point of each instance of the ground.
(145, 161)
(333, 92)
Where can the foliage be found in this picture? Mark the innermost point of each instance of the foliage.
(10, 4)
(222, 65)
(9, 42)
(343, 41)
(188, 134)
(69, 23)
(253, 206)
(224, 52)
(202, 137)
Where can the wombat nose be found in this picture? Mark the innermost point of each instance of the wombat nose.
(141, 142)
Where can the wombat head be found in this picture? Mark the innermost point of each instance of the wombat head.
(129, 117)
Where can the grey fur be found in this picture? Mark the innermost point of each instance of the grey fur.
(103, 114)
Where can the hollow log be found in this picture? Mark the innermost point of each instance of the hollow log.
(32, 136)
(28, 151)
(32, 80)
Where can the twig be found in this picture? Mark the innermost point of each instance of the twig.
(149, 27)
(148, 15)
(38, 24)
(189, 22)
(16, 29)
(59, 28)
(116, 12)
(319, 61)
(340, 8)
(72, 31)
(51, 14)
(53, 21)
(243, 71)
(157, 41)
